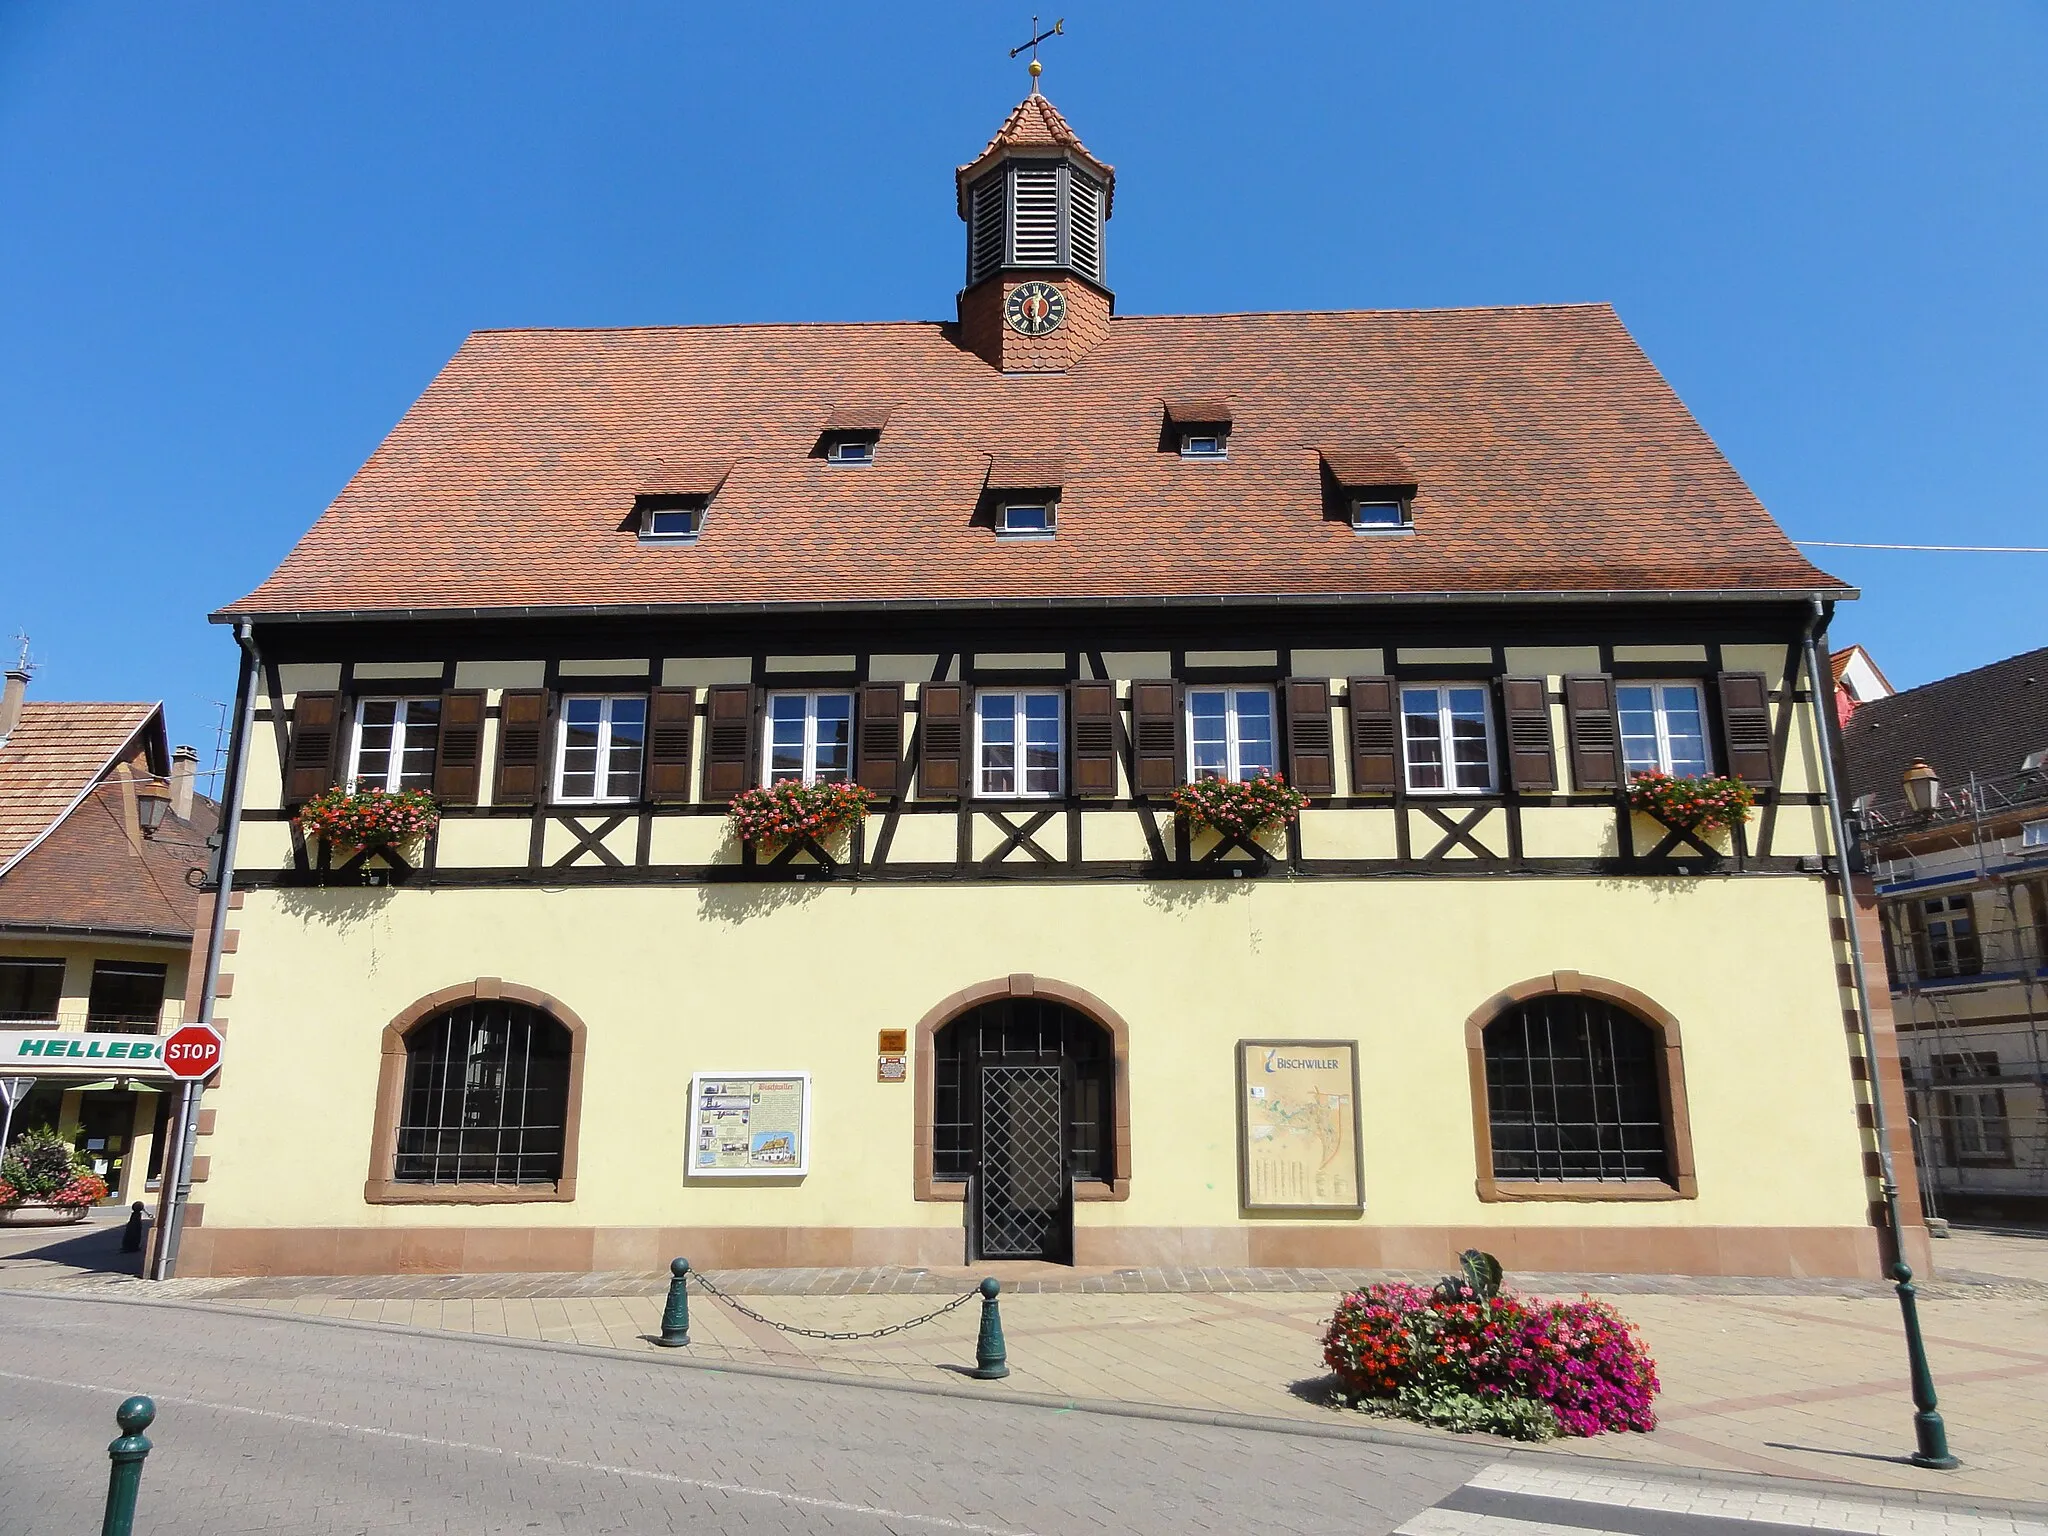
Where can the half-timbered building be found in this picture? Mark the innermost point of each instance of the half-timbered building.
(1455, 574)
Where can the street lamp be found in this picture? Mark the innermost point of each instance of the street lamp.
(152, 804)
(1923, 787)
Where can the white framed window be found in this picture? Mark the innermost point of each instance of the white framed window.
(671, 520)
(1017, 736)
(394, 743)
(851, 450)
(600, 749)
(2034, 835)
(1230, 733)
(810, 737)
(1378, 514)
(1203, 445)
(1026, 519)
(1663, 728)
(1447, 737)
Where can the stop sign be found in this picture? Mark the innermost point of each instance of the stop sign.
(192, 1051)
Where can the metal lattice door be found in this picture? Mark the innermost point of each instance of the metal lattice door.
(1023, 1176)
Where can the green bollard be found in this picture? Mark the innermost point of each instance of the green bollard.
(124, 1478)
(675, 1317)
(991, 1362)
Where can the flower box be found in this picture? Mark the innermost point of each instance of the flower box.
(1240, 808)
(1707, 802)
(790, 809)
(369, 820)
(41, 1213)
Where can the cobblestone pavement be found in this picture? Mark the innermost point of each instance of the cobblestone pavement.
(1784, 1378)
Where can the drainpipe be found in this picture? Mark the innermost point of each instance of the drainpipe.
(177, 1183)
(1930, 1434)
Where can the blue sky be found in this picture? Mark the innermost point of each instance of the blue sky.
(237, 240)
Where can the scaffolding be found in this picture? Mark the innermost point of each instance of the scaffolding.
(1963, 892)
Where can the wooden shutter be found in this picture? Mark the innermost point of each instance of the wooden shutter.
(316, 736)
(1375, 745)
(671, 718)
(1155, 738)
(1091, 709)
(1532, 761)
(878, 750)
(1746, 726)
(728, 740)
(522, 734)
(459, 748)
(1311, 756)
(1595, 734)
(942, 740)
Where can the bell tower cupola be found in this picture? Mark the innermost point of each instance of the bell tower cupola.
(1035, 203)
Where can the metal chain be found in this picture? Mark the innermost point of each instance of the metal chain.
(818, 1333)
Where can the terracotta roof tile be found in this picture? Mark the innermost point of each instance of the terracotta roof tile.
(1198, 411)
(86, 874)
(1986, 721)
(1550, 454)
(685, 477)
(1034, 123)
(859, 416)
(1026, 472)
(54, 753)
(1367, 466)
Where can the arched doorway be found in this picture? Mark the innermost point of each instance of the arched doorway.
(1023, 1105)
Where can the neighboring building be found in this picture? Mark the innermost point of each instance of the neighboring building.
(1857, 681)
(1952, 779)
(1457, 573)
(96, 910)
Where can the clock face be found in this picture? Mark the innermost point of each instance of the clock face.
(1035, 308)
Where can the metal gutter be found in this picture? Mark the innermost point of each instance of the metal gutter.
(89, 931)
(1041, 604)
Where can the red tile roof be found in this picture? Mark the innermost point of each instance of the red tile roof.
(1551, 457)
(54, 754)
(86, 874)
(1034, 123)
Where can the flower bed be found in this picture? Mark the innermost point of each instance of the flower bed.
(790, 809)
(1239, 807)
(1467, 1356)
(1702, 802)
(369, 818)
(42, 1169)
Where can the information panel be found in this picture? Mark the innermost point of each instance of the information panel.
(749, 1123)
(1297, 1126)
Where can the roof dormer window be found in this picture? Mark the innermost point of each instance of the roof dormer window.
(670, 519)
(1379, 514)
(1198, 426)
(1203, 445)
(1026, 519)
(850, 450)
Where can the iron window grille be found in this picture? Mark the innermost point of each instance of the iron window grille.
(395, 743)
(1023, 1032)
(1573, 1094)
(486, 1097)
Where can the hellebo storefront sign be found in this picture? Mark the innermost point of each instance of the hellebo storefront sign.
(62, 1053)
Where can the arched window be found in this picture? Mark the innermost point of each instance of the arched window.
(1024, 1032)
(486, 1097)
(1575, 1093)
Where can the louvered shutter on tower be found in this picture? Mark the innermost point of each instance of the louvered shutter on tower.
(1091, 709)
(459, 748)
(1595, 735)
(985, 215)
(1532, 761)
(315, 739)
(522, 729)
(1746, 725)
(1311, 758)
(728, 740)
(1035, 220)
(878, 750)
(1084, 225)
(671, 721)
(1375, 749)
(942, 740)
(1155, 738)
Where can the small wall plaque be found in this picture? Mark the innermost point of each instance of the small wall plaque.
(893, 1042)
(890, 1068)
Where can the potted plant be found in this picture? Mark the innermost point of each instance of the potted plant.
(43, 1181)
(1704, 802)
(369, 820)
(789, 809)
(1239, 808)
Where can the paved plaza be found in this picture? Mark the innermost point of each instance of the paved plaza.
(1779, 1379)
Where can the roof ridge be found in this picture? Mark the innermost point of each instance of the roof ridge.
(1954, 677)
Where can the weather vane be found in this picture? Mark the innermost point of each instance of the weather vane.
(1057, 29)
